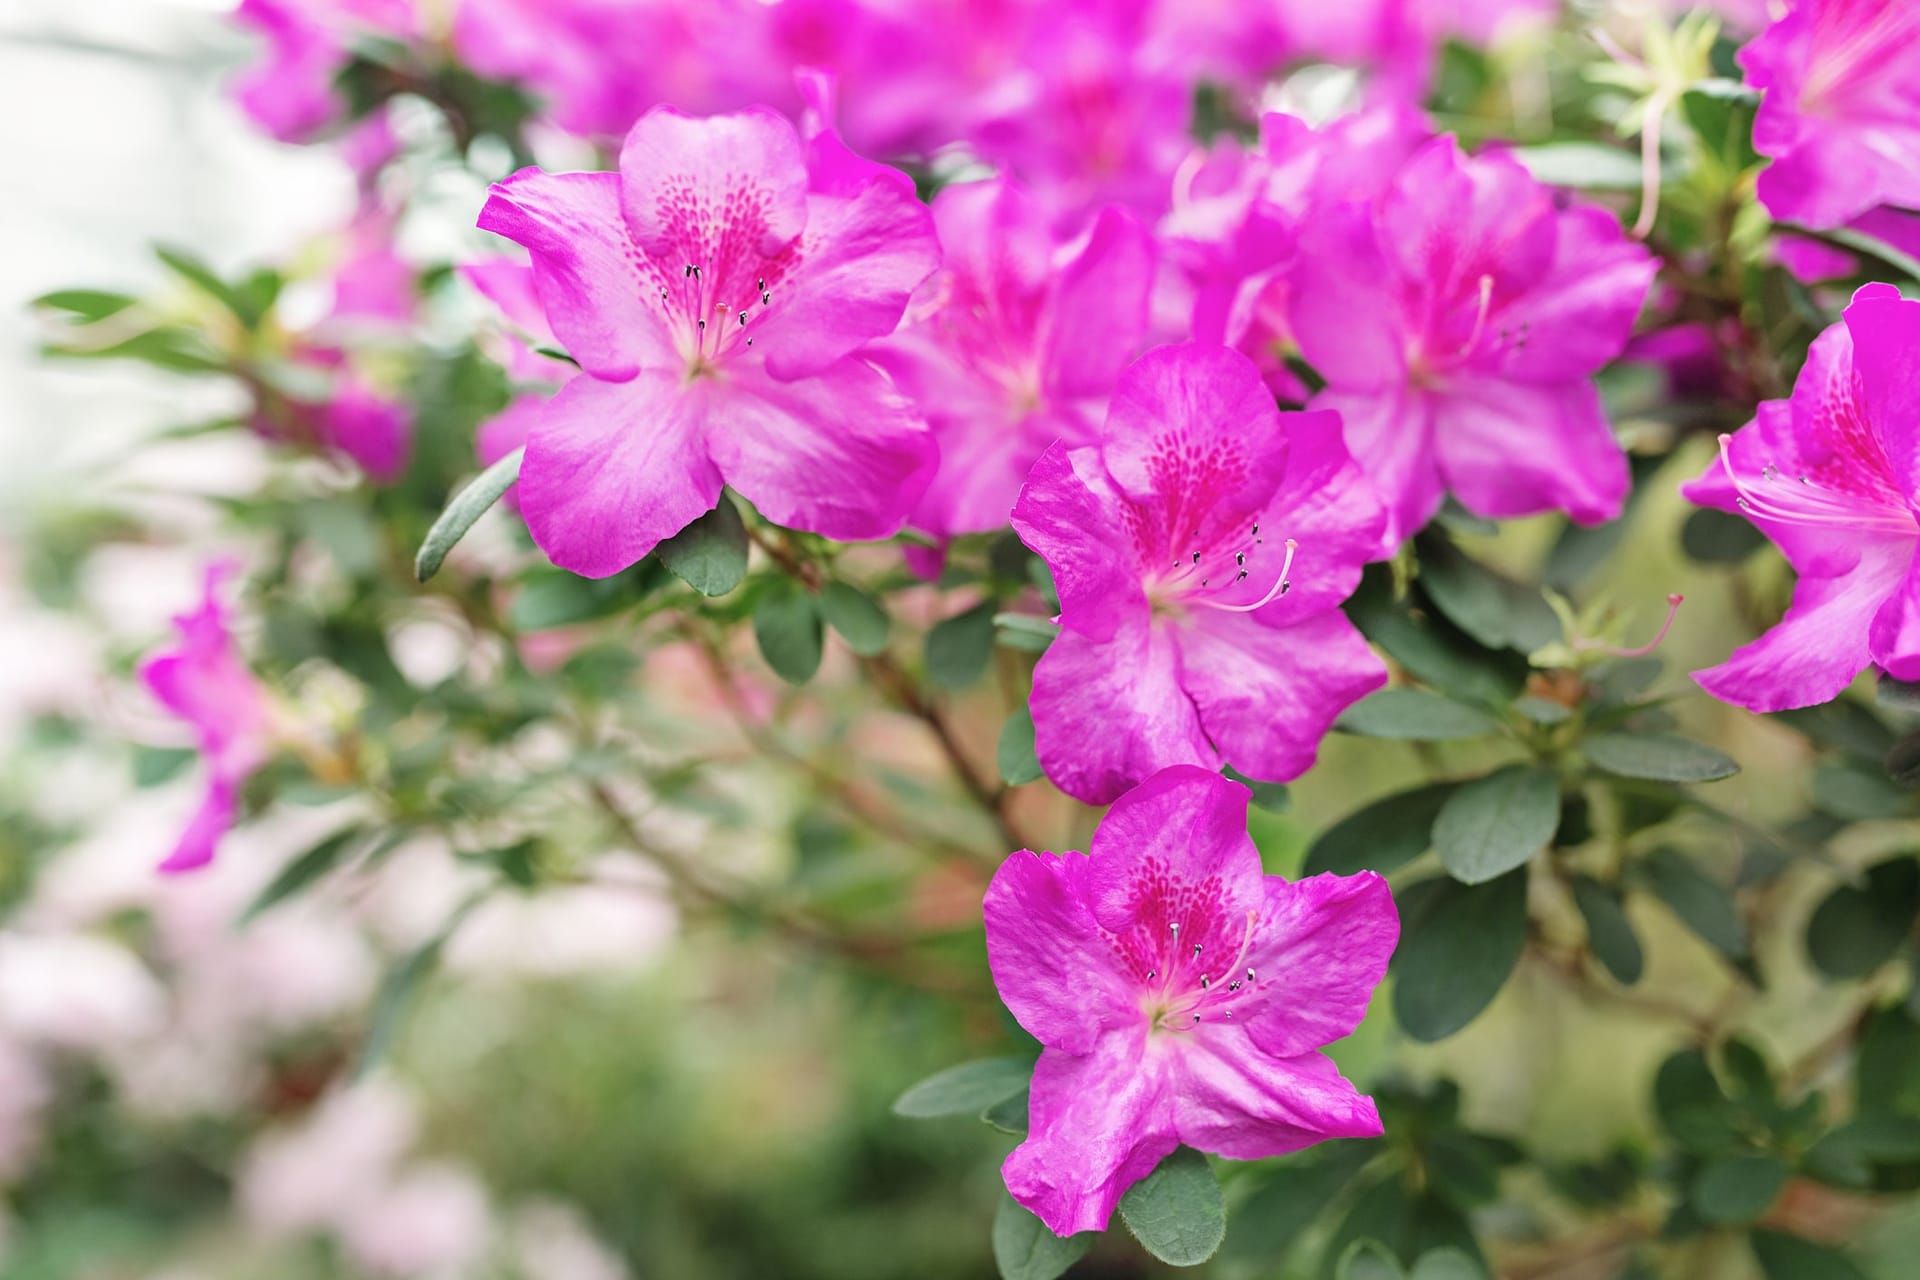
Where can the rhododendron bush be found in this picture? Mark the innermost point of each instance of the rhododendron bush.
(905, 638)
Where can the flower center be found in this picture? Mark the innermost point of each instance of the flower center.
(1193, 988)
(1198, 577)
(1803, 502)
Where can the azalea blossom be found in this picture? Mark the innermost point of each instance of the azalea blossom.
(1840, 111)
(291, 93)
(712, 291)
(203, 681)
(1172, 538)
(1014, 344)
(1830, 476)
(1458, 318)
(1181, 996)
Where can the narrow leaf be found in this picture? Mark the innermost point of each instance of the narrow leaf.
(303, 871)
(467, 506)
(1609, 933)
(1416, 716)
(967, 1089)
(1658, 756)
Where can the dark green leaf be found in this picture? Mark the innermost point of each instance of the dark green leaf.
(304, 870)
(1856, 930)
(154, 765)
(466, 507)
(1735, 1189)
(1657, 756)
(1447, 1264)
(1369, 1260)
(1609, 933)
(189, 267)
(1382, 836)
(1493, 824)
(1848, 1156)
(548, 598)
(1692, 1106)
(1543, 711)
(1858, 794)
(1494, 610)
(959, 648)
(87, 304)
(1903, 762)
(1434, 650)
(1014, 751)
(1414, 715)
(1785, 1257)
(1267, 1223)
(399, 988)
(786, 623)
(1009, 1115)
(857, 616)
(1887, 1075)
(1458, 943)
(1025, 632)
(1024, 1249)
(1717, 537)
(965, 1090)
(1703, 904)
(1843, 724)
(1461, 1168)
(1176, 1212)
(709, 555)
(1897, 695)
(1271, 796)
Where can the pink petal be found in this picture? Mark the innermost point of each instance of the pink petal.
(1343, 308)
(841, 454)
(1390, 432)
(211, 821)
(1069, 515)
(1323, 944)
(1183, 827)
(612, 468)
(1108, 713)
(1767, 445)
(375, 432)
(1513, 449)
(598, 294)
(1894, 637)
(1099, 1123)
(1267, 694)
(1054, 971)
(1579, 315)
(1235, 1100)
(708, 190)
(1100, 309)
(506, 431)
(1448, 221)
(1885, 329)
(509, 285)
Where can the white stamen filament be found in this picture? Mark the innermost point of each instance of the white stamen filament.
(1821, 507)
(1280, 587)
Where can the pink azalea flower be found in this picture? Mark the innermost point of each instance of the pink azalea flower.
(1458, 319)
(1829, 476)
(290, 94)
(1183, 640)
(1182, 997)
(1399, 41)
(1840, 115)
(203, 680)
(1014, 344)
(712, 291)
(509, 285)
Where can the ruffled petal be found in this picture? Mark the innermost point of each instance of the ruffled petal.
(1514, 449)
(1054, 970)
(596, 289)
(1894, 637)
(1390, 433)
(1343, 308)
(1581, 313)
(706, 190)
(1099, 1123)
(1069, 515)
(1235, 1100)
(1100, 307)
(1323, 944)
(1885, 329)
(1184, 826)
(1107, 714)
(1268, 694)
(613, 468)
(841, 454)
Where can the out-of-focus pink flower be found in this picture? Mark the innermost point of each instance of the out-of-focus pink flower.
(1398, 41)
(314, 1175)
(203, 680)
(713, 291)
(1813, 261)
(74, 991)
(1458, 319)
(552, 1241)
(290, 92)
(431, 1223)
(1830, 476)
(374, 430)
(1840, 116)
(1014, 344)
(1182, 997)
(509, 284)
(1183, 638)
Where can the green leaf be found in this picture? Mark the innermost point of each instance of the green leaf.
(1461, 1168)
(1271, 796)
(1589, 165)
(1458, 944)
(1857, 794)
(1369, 1260)
(1435, 651)
(1014, 751)
(709, 555)
(87, 304)
(959, 648)
(189, 267)
(1543, 711)
(1447, 1264)
(1176, 1212)
(1493, 824)
(965, 1090)
(1494, 610)
(856, 616)
(1860, 242)
(1692, 1106)
(175, 349)
(1856, 930)
(304, 870)
(1785, 1257)
(786, 623)
(1416, 716)
(1382, 836)
(1009, 1115)
(398, 990)
(1717, 537)
(1902, 762)
(467, 506)
(1609, 933)
(1732, 1190)
(1024, 631)
(1658, 756)
(1292, 1197)
(1896, 695)
(1848, 1155)
(1024, 1249)
(1887, 1075)
(1703, 904)
(1843, 724)
(154, 765)
(546, 598)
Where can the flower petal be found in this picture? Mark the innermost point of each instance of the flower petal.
(1894, 637)
(211, 821)
(1268, 694)
(1100, 308)
(1069, 515)
(1100, 1122)
(1235, 1100)
(1885, 329)
(1054, 970)
(1515, 449)
(1390, 432)
(1108, 713)
(586, 269)
(841, 454)
(1343, 309)
(1579, 315)
(613, 468)
(1323, 944)
(704, 190)
(1182, 826)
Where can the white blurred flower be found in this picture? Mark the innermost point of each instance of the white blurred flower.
(319, 1173)
(431, 1224)
(75, 991)
(553, 1241)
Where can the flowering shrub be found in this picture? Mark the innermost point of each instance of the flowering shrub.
(645, 711)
